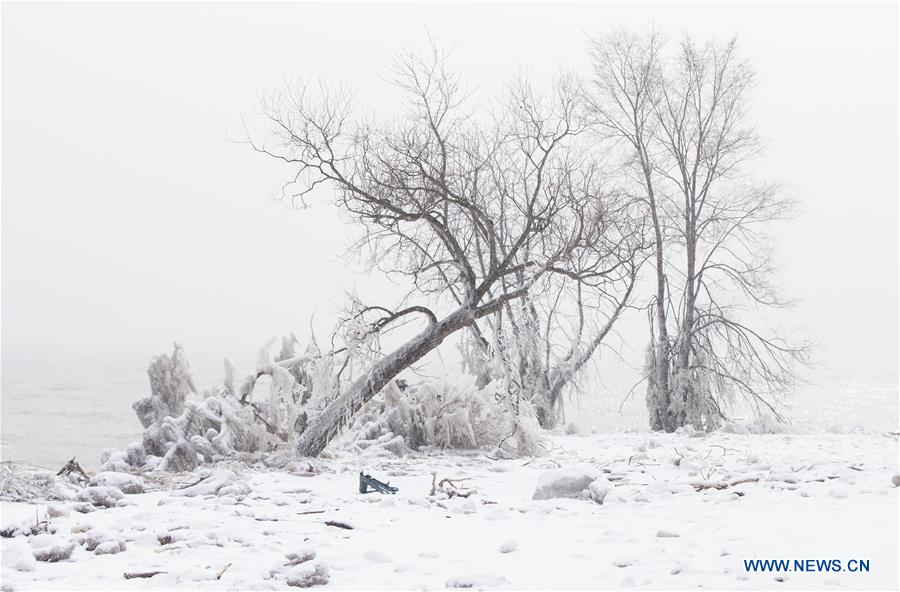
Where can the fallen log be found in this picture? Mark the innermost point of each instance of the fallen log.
(720, 486)
(141, 574)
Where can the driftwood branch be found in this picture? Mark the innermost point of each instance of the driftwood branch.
(141, 574)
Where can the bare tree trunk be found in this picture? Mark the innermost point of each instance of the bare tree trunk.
(658, 395)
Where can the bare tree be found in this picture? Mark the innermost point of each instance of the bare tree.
(543, 340)
(681, 120)
(475, 207)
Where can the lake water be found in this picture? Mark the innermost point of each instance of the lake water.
(53, 408)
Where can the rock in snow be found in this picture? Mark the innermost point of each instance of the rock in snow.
(308, 574)
(96, 537)
(300, 556)
(110, 548)
(568, 482)
(101, 496)
(46, 547)
(667, 534)
(896, 480)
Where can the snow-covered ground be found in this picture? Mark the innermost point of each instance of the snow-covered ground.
(662, 524)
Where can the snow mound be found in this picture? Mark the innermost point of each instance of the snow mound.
(599, 488)
(565, 482)
(477, 581)
(19, 557)
(221, 483)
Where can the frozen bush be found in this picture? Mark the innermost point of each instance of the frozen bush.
(180, 458)
(23, 482)
(450, 414)
(170, 383)
(764, 423)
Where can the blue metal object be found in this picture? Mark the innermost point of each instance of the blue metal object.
(367, 481)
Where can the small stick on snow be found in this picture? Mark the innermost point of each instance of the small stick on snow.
(702, 486)
(343, 525)
(201, 480)
(222, 571)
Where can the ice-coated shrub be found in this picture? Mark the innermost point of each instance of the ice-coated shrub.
(446, 414)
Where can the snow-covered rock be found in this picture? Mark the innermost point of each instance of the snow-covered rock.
(301, 555)
(50, 548)
(110, 548)
(101, 495)
(18, 528)
(122, 481)
(667, 534)
(57, 511)
(96, 537)
(509, 546)
(308, 574)
(565, 482)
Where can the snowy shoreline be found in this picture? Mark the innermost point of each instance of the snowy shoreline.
(664, 523)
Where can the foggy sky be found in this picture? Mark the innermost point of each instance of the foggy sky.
(129, 219)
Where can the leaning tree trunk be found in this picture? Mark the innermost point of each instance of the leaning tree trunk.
(324, 426)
